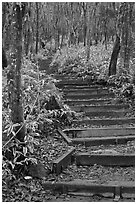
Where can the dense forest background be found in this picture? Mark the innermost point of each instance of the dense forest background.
(71, 23)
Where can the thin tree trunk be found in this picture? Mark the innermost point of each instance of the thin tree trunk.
(4, 10)
(56, 38)
(126, 52)
(27, 34)
(85, 24)
(3, 15)
(105, 40)
(126, 33)
(88, 43)
(114, 56)
(62, 39)
(91, 12)
(14, 75)
(37, 27)
(27, 42)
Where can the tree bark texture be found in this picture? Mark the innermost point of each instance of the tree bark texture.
(114, 56)
(14, 74)
(85, 23)
(37, 27)
(4, 59)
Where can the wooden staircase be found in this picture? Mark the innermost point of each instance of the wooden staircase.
(103, 122)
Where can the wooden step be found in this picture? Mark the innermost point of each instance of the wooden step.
(62, 162)
(91, 90)
(90, 108)
(86, 159)
(99, 132)
(89, 96)
(105, 121)
(103, 112)
(72, 82)
(80, 87)
(88, 101)
(106, 113)
(118, 188)
(62, 77)
(94, 141)
(102, 140)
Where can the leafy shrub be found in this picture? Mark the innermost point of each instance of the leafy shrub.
(124, 88)
(43, 112)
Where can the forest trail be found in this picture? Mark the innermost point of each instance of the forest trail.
(101, 135)
(75, 136)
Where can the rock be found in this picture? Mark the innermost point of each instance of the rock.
(38, 171)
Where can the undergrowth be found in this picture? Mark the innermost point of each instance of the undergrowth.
(44, 111)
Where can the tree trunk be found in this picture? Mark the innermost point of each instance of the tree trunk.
(91, 13)
(88, 43)
(4, 10)
(14, 74)
(57, 40)
(27, 32)
(4, 34)
(126, 38)
(126, 52)
(85, 23)
(105, 40)
(37, 27)
(114, 56)
(27, 42)
(4, 59)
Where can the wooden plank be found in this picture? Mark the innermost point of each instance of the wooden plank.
(90, 96)
(100, 132)
(86, 86)
(91, 186)
(79, 82)
(88, 101)
(93, 108)
(62, 162)
(65, 137)
(104, 141)
(105, 159)
(88, 194)
(81, 91)
(71, 83)
(106, 121)
(62, 77)
(85, 89)
(106, 113)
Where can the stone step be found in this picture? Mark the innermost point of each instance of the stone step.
(105, 121)
(89, 96)
(87, 159)
(93, 108)
(89, 101)
(99, 132)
